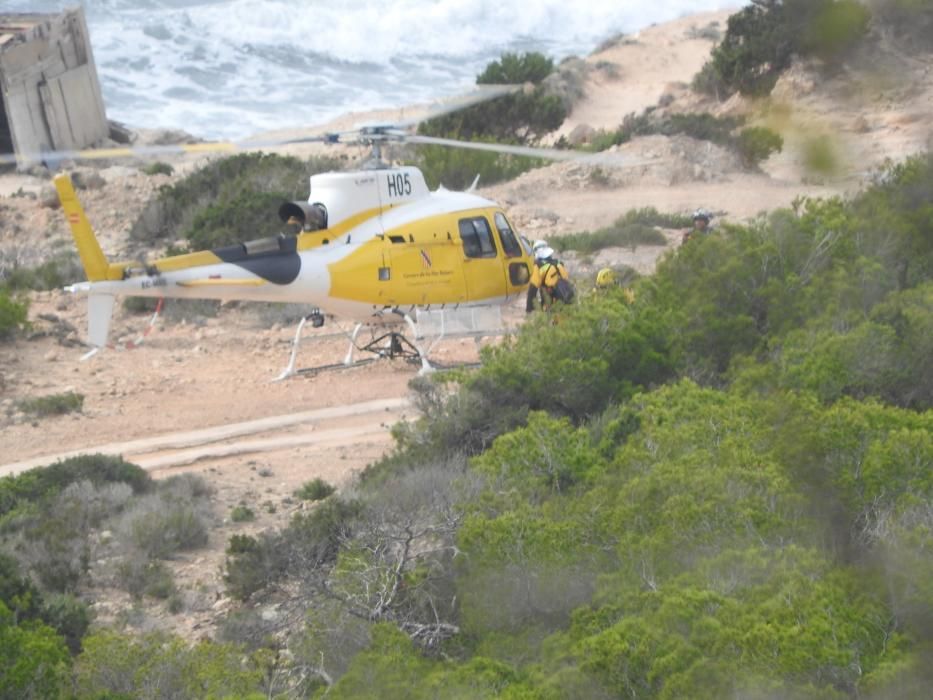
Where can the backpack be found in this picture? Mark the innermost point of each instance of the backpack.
(563, 290)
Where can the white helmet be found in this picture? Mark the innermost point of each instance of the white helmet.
(702, 214)
(538, 245)
(544, 252)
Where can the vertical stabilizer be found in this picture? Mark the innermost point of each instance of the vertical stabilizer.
(99, 312)
(92, 257)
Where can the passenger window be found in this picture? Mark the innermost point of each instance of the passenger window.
(477, 238)
(509, 242)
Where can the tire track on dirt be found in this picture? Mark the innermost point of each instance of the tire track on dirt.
(186, 447)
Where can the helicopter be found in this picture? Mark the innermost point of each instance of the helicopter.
(373, 245)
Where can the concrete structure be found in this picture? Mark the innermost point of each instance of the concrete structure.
(51, 97)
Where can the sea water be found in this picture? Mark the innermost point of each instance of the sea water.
(228, 69)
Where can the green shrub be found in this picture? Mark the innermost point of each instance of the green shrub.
(140, 576)
(702, 126)
(762, 39)
(757, 143)
(252, 564)
(52, 274)
(140, 305)
(315, 490)
(836, 29)
(229, 200)
(227, 220)
(157, 665)
(17, 592)
(709, 82)
(163, 528)
(242, 514)
(59, 557)
(13, 314)
(34, 661)
(456, 168)
(628, 231)
(52, 404)
(517, 118)
(69, 616)
(820, 156)
(43, 484)
(158, 168)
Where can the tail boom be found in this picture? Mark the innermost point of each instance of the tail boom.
(95, 262)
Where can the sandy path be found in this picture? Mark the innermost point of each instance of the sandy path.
(181, 448)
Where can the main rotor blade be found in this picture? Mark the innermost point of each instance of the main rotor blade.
(614, 160)
(146, 151)
(482, 93)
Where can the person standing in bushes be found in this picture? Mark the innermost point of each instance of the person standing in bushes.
(607, 279)
(550, 280)
(701, 219)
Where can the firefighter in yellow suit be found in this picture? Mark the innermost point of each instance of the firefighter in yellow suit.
(544, 276)
(607, 279)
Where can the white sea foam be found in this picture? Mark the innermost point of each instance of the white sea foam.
(230, 68)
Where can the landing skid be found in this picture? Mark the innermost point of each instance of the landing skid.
(390, 345)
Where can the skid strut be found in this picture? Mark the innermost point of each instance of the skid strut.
(392, 345)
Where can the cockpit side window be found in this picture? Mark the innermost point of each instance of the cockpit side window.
(509, 243)
(477, 238)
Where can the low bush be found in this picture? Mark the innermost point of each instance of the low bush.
(43, 484)
(69, 616)
(162, 532)
(621, 234)
(242, 514)
(228, 200)
(57, 556)
(252, 564)
(140, 305)
(517, 118)
(52, 274)
(757, 143)
(13, 314)
(158, 168)
(456, 168)
(52, 404)
(315, 490)
(140, 576)
(763, 37)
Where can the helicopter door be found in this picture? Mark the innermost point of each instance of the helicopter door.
(425, 273)
(517, 273)
(482, 267)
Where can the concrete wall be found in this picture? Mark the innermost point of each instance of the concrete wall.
(51, 95)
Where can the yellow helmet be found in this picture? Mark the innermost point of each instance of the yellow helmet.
(605, 277)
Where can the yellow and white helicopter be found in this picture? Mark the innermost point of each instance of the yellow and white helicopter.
(373, 245)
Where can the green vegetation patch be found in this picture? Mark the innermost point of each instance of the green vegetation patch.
(242, 514)
(518, 118)
(44, 483)
(52, 404)
(315, 490)
(635, 227)
(762, 38)
(158, 168)
(229, 200)
(753, 144)
(51, 274)
(13, 314)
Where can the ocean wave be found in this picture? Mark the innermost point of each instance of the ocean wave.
(228, 69)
